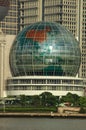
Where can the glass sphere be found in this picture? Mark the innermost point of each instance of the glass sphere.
(45, 48)
(4, 6)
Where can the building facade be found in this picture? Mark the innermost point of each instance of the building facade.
(69, 13)
(24, 12)
(35, 85)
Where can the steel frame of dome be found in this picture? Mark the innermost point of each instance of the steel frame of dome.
(45, 48)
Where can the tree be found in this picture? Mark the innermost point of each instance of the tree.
(72, 98)
(82, 101)
(47, 99)
(23, 100)
(35, 100)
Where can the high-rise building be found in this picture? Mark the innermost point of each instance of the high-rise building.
(82, 36)
(21, 13)
(69, 13)
(24, 12)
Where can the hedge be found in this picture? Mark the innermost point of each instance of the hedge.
(19, 109)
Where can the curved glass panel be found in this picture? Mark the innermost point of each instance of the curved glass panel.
(45, 48)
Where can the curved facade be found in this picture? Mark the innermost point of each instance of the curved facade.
(35, 85)
(45, 49)
(4, 6)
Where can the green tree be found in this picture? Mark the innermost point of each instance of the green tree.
(23, 100)
(76, 100)
(72, 98)
(82, 101)
(35, 100)
(47, 99)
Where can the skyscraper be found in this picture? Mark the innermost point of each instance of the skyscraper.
(24, 12)
(69, 13)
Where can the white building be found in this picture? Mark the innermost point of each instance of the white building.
(35, 85)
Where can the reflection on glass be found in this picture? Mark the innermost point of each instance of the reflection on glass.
(45, 48)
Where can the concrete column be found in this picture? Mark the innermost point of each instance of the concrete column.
(40, 6)
(2, 64)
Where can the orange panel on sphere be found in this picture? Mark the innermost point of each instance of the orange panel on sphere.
(39, 35)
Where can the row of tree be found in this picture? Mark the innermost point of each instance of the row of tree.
(47, 99)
